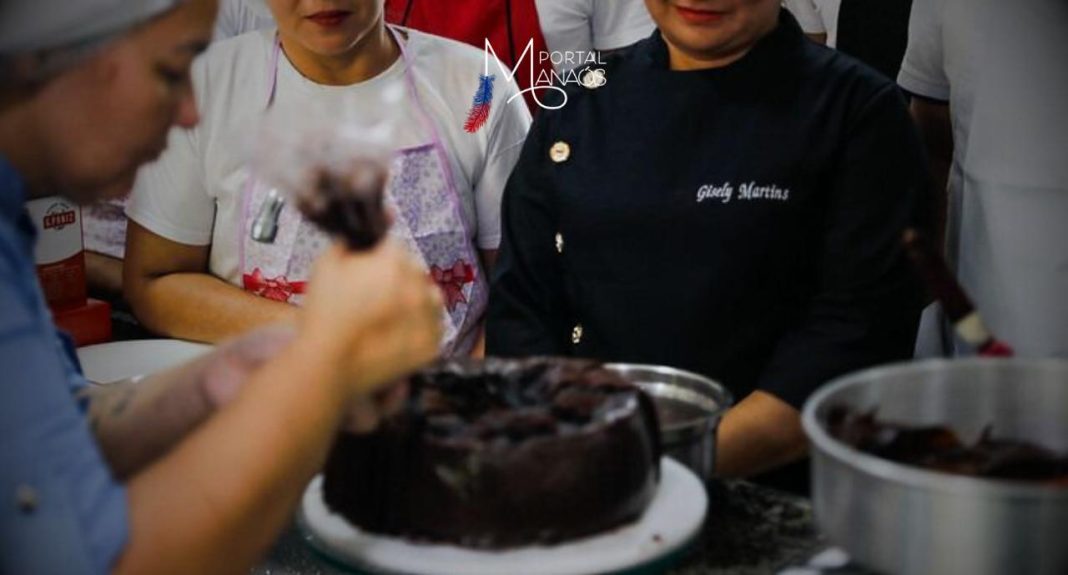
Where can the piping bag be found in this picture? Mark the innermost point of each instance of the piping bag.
(333, 164)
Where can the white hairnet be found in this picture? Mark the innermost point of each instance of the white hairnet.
(41, 25)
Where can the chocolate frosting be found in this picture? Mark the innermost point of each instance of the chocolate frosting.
(502, 454)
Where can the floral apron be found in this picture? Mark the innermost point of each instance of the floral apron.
(426, 206)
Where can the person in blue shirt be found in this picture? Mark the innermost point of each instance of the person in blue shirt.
(197, 469)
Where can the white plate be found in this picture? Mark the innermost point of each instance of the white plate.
(110, 362)
(673, 518)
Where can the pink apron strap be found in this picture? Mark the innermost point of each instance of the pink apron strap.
(450, 279)
(246, 200)
(430, 125)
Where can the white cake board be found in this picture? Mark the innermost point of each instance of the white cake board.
(115, 361)
(673, 518)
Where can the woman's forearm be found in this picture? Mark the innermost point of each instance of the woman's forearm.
(759, 434)
(479, 351)
(136, 423)
(103, 274)
(202, 307)
(216, 501)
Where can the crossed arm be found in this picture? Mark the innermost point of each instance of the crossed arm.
(172, 292)
(932, 119)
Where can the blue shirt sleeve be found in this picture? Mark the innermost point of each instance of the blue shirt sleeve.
(62, 511)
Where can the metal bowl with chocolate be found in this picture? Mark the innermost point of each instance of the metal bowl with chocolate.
(945, 466)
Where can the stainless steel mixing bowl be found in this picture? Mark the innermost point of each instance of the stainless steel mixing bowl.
(900, 519)
(689, 406)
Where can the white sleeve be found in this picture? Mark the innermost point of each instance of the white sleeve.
(566, 25)
(238, 17)
(620, 23)
(807, 15)
(228, 20)
(923, 69)
(502, 152)
(170, 198)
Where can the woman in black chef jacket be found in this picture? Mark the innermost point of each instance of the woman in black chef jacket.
(730, 202)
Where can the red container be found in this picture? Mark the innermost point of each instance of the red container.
(59, 251)
(87, 324)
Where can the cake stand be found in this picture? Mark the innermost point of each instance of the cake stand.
(673, 519)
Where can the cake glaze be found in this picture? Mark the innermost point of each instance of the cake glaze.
(502, 453)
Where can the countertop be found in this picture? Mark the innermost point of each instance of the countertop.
(750, 529)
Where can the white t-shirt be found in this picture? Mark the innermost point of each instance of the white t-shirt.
(191, 195)
(817, 17)
(587, 25)
(997, 65)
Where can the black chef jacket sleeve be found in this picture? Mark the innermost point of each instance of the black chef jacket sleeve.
(526, 314)
(867, 303)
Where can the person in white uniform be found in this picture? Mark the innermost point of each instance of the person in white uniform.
(192, 271)
(818, 18)
(592, 25)
(992, 103)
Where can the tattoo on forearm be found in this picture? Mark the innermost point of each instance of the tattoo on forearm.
(122, 401)
(106, 403)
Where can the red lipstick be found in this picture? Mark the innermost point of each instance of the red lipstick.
(695, 16)
(329, 18)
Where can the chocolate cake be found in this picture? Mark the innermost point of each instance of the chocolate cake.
(500, 454)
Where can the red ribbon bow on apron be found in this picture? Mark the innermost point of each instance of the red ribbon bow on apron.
(277, 289)
(452, 281)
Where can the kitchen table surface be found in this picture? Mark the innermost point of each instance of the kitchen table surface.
(750, 530)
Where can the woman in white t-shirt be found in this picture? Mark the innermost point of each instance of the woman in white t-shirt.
(191, 271)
